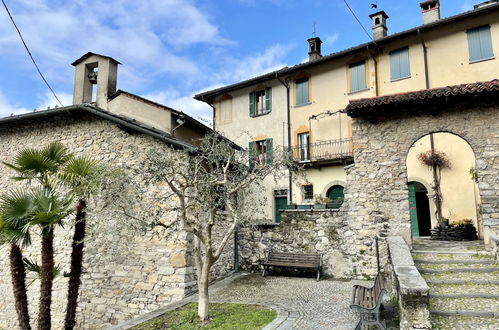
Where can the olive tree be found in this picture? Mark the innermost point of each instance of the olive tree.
(215, 188)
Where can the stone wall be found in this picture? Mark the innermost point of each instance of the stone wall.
(126, 272)
(314, 231)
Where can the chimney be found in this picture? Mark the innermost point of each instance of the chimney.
(94, 69)
(430, 10)
(314, 48)
(379, 24)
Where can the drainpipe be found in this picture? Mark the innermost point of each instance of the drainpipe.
(375, 69)
(425, 60)
(288, 110)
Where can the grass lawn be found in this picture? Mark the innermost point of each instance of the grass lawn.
(222, 316)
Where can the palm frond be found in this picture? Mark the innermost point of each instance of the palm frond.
(15, 207)
(57, 152)
(32, 266)
(50, 208)
(30, 163)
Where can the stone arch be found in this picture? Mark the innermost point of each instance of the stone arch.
(331, 184)
(459, 191)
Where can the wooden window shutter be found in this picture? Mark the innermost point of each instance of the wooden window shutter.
(357, 76)
(252, 104)
(480, 43)
(269, 152)
(252, 155)
(268, 99)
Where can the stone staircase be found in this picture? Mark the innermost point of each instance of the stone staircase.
(464, 283)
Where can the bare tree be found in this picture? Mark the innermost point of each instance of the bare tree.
(215, 188)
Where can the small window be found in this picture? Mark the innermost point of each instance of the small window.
(480, 43)
(357, 76)
(302, 96)
(308, 192)
(399, 64)
(260, 153)
(304, 146)
(260, 102)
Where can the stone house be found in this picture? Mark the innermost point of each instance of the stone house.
(300, 106)
(126, 273)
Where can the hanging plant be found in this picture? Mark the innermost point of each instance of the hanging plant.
(434, 158)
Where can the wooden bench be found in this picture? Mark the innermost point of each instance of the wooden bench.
(367, 301)
(293, 260)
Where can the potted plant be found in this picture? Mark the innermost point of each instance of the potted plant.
(320, 202)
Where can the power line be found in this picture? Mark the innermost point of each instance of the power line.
(362, 26)
(29, 53)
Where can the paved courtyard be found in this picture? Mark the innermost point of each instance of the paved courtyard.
(302, 303)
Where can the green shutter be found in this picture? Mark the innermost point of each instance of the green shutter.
(413, 211)
(252, 155)
(302, 92)
(269, 153)
(252, 104)
(268, 99)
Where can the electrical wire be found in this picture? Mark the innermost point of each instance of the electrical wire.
(362, 26)
(29, 53)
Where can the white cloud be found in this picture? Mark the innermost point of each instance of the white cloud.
(7, 108)
(331, 39)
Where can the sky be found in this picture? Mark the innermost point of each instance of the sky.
(173, 49)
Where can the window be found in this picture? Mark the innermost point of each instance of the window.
(480, 43)
(357, 76)
(303, 146)
(260, 153)
(260, 102)
(302, 96)
(308, 192)
(399, 64)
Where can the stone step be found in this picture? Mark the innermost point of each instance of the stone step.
(487, 306)
(458, 268)
(466, 276)
(464, 313)
(456, 321)
(461, 282)
(456, 261)
(465, 295)
(428, 255)
(465, 287)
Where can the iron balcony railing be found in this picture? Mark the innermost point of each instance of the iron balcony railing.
(324, 150)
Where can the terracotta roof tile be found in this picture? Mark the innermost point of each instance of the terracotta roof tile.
(366, 106)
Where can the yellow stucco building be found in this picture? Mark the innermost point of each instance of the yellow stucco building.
(300, 107)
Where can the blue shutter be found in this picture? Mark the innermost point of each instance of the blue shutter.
(399, 64)
(252, 104)
(268, 99)
(299, 93)
(480, 43)
(302, 92)
(357, 77)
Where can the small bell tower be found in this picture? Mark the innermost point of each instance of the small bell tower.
(94, 70)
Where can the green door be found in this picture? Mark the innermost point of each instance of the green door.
(335, 194)
(280, 204)
(413, 211)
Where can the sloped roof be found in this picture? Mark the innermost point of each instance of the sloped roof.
(209, 95)
(87, 55)
(94, 110)
(369, 106)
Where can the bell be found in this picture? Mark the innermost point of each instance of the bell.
(92, 78)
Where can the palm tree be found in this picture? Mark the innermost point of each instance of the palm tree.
(42, 165)
(14, 229)
(80, 175)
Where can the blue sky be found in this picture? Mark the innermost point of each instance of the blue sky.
(172, 49)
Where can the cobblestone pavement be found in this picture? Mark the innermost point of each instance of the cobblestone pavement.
(302, 303)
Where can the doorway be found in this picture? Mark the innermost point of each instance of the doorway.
(419, 208)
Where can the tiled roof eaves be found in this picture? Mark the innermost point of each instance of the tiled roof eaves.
(369, 106)
(87, 55)
(209, 95)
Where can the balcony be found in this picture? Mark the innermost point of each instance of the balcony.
(338, 151)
